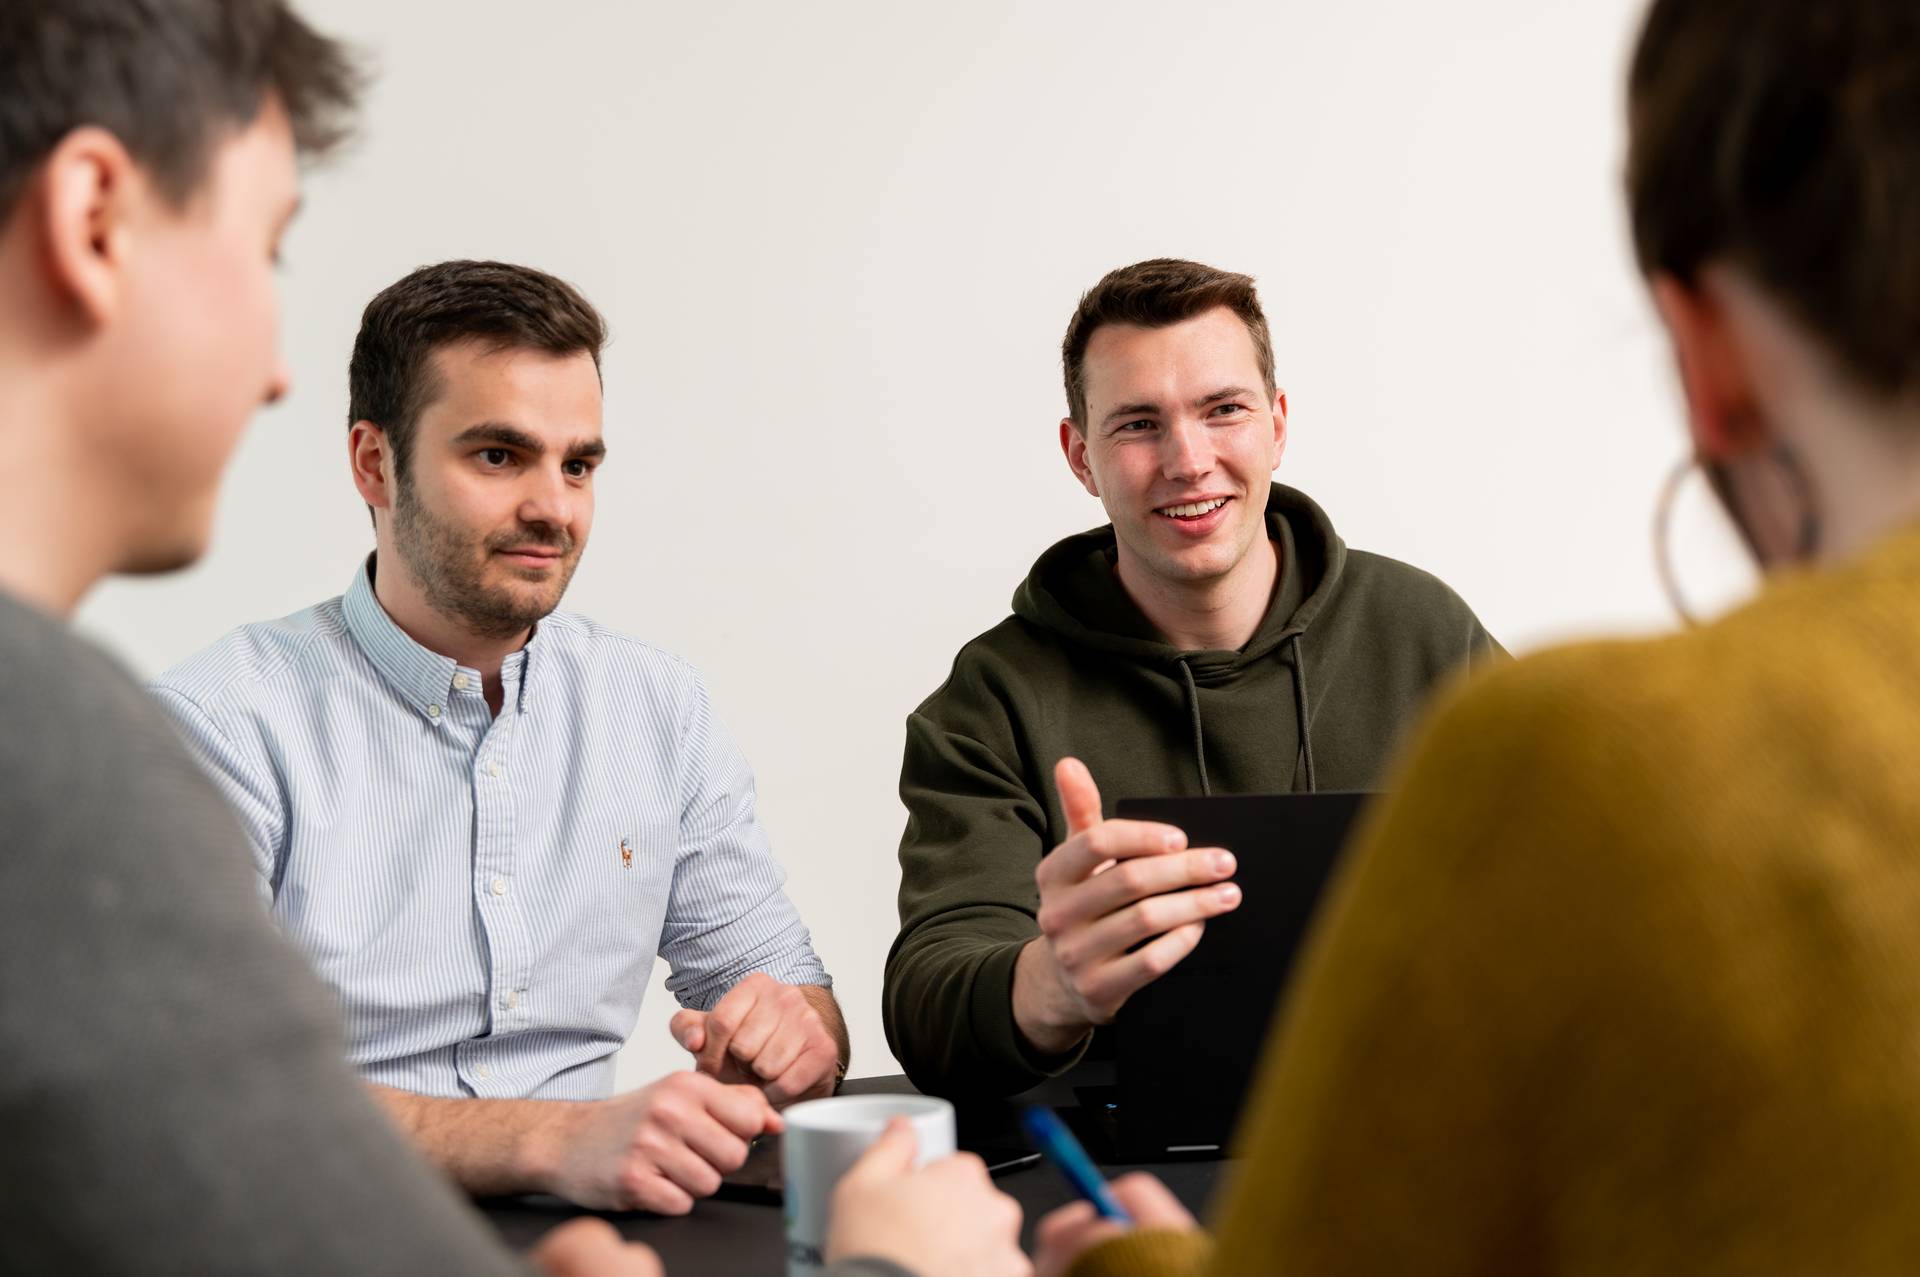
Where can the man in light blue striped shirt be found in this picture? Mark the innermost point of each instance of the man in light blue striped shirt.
(480, 818)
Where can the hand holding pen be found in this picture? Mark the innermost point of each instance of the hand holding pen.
(1105, 1210)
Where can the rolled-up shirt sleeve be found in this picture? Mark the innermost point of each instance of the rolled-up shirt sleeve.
(728, 915)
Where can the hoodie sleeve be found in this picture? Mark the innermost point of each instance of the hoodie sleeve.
(976, 830)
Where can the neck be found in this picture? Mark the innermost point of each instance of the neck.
(1864, 494)
(57, 520)
(1863, 464)
(1216, 615)
(406, 603)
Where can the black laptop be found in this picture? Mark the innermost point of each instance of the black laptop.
(1186, 1045)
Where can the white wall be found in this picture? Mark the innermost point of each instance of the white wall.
(837, 244)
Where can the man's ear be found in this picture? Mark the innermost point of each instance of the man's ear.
(1713, 370)
(84, 198)
(1074, 444)
(1279, 426)
(370, 458)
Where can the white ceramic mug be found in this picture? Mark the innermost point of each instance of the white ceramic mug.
(826, 1137)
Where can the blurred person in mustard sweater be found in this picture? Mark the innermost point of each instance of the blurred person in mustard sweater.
(1626, 977)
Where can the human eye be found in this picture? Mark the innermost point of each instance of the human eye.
(1228, 409)
(494, 458)
(578, 468)
(1137, 426)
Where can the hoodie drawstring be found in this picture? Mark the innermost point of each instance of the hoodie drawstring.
(1199, 738)
(1300, 707)
(1300, 704)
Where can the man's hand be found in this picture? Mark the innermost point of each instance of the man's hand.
(657, 1148)
(1071, 1231)
(1111, 885)
(944, 1220)
(769, 1034)
(590, 1248)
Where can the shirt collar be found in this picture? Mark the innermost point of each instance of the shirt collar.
(425, 678)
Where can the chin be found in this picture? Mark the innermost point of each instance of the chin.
(159, 557)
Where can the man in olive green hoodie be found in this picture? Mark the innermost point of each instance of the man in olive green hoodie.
(1217, 637)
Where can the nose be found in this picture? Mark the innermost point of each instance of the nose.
(547, 498)
(280, 383)
(1186, 452)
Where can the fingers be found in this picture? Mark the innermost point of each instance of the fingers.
(1138, 879)
(672, 1158)
(812, 1074)
(591, 1248)
(727, 1016)
(1066, 1234)
(1118, 932)
(889, 1157)
(741, 1109)
(778, 1016)
(1079, 796)
(1109, 985)
(689, 1029)
(714, 1144)
(1076, 859)
(1151, 1203)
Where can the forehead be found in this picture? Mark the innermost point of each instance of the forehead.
(555, 397)
(1128, 364)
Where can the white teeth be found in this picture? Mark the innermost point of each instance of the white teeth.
(1193, 511)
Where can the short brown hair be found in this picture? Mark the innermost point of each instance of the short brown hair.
(1783, 137)
(390, 377)
(166, 77)
(1156, 294)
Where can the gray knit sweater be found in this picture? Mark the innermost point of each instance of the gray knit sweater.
(173, 1097)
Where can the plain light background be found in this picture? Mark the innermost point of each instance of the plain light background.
(837, 245)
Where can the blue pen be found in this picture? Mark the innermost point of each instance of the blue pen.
(1056, 1143)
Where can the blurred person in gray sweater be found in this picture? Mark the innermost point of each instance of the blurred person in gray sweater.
(172, 1085)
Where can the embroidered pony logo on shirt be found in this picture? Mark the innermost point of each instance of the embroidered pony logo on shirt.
(626, 854)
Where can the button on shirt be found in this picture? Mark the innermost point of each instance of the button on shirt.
(486, 895)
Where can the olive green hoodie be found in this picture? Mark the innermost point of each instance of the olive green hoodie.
(1349, 649)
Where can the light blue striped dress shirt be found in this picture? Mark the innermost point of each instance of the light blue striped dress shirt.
(486, 895)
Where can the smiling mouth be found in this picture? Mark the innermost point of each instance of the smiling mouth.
(1192, 510)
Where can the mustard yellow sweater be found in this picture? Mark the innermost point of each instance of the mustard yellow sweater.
(1625, 980)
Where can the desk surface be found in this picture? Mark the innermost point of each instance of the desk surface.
(741, 1239)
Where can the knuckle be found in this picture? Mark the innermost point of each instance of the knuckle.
(1134, 877)
(1099, 841)
(1146, 916)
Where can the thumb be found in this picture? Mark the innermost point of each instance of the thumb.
(1079, 796)
(689, 1029)
(891, 1156)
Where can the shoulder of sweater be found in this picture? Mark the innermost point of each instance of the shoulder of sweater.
(1374, 579)
(994, 663)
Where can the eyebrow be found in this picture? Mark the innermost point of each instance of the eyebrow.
(1148, 409)
(507, 435)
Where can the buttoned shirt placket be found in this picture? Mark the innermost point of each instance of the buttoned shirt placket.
(498, 906)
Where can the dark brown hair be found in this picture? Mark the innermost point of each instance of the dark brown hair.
(166, 77)
(1783, 137)
(391, 376)
(1156, 294)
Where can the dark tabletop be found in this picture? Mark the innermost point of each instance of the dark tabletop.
(743, 1239)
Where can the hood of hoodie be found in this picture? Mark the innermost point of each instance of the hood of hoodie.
(1074, 592)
